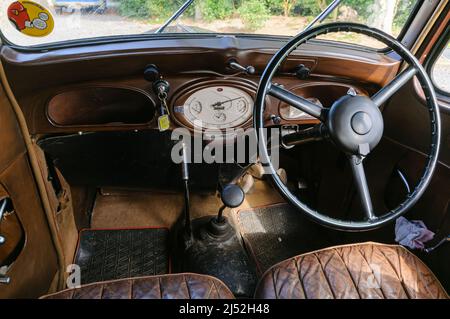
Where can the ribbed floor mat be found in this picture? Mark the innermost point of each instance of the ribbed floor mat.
(275, 233)
(115, 254)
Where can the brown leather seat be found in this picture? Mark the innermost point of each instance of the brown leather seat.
(365, 271)
(174, 286)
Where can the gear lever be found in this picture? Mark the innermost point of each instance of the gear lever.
(232, 196)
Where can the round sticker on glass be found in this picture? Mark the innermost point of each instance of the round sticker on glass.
(30, 18)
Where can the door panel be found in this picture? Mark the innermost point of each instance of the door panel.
(407, 127)
(35, 267)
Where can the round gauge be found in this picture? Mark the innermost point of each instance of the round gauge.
(218, 107)
(289, 112)
(241, 106)
(196, 107)
(220, 117)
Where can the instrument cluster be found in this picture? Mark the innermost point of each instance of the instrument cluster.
(228, 103)
(215, 105)
(218, 107)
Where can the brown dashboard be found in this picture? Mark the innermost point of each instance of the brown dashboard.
(108, 106)
(101, 87)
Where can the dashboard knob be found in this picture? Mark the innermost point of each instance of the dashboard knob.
(250, 70)
(151, 73)
(302, 72)
(234, 65)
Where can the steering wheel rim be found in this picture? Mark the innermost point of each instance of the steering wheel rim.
(415, 69)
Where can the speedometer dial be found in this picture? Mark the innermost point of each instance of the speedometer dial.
(218, 107)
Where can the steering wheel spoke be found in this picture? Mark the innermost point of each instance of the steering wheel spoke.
(359, 176)
(392, 87)
(296, 101)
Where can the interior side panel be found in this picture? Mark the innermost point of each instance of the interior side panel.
(407, 126)
(35, 267)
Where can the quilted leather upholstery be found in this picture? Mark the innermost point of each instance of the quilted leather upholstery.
(367, 271)
(176, 286)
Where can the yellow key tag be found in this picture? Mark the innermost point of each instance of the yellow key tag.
(163, 123)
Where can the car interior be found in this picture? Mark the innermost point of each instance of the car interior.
(351, 141)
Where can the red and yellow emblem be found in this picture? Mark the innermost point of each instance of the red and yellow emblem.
(30, 18)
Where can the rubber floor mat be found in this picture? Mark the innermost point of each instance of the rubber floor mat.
(275, 233)
(116, 254)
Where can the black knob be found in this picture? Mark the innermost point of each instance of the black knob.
(151, 73)
(234, 65)
(232, 196)
(302, 72)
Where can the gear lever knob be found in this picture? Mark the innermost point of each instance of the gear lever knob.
(232, 196)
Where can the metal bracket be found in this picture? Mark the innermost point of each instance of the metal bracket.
(3, 205)
(5, 280)
(439, 244)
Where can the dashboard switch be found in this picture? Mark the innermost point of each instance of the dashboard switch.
(151, 73)
(246, 69)
(302, 72)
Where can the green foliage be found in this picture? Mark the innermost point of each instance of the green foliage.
(363, 7)
(311, 7)
(253, 13)
(160, 9)
(275, 7)
(133, 8)
(155, 9)
(404, 9)
(217, 9)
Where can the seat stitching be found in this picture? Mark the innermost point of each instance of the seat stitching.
(274, 284)
(109, 282)
(160, 290)
(415, 264)
(299, 275)
(421, 275)
(399, 277)
(101, 291)
(187, 286)
(217, 289)
(131, 282)
(368, 264)
(325, 275)
(428, 270)
(348, 272)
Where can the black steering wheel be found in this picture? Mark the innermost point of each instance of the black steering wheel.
(353, 123)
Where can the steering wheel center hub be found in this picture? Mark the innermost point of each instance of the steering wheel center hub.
(355, 123)
(361, 123)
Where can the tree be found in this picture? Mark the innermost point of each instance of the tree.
(253, 13)
(322, 4)
(312, 7)
(216, 9)
(384, 19)
(287, 6)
